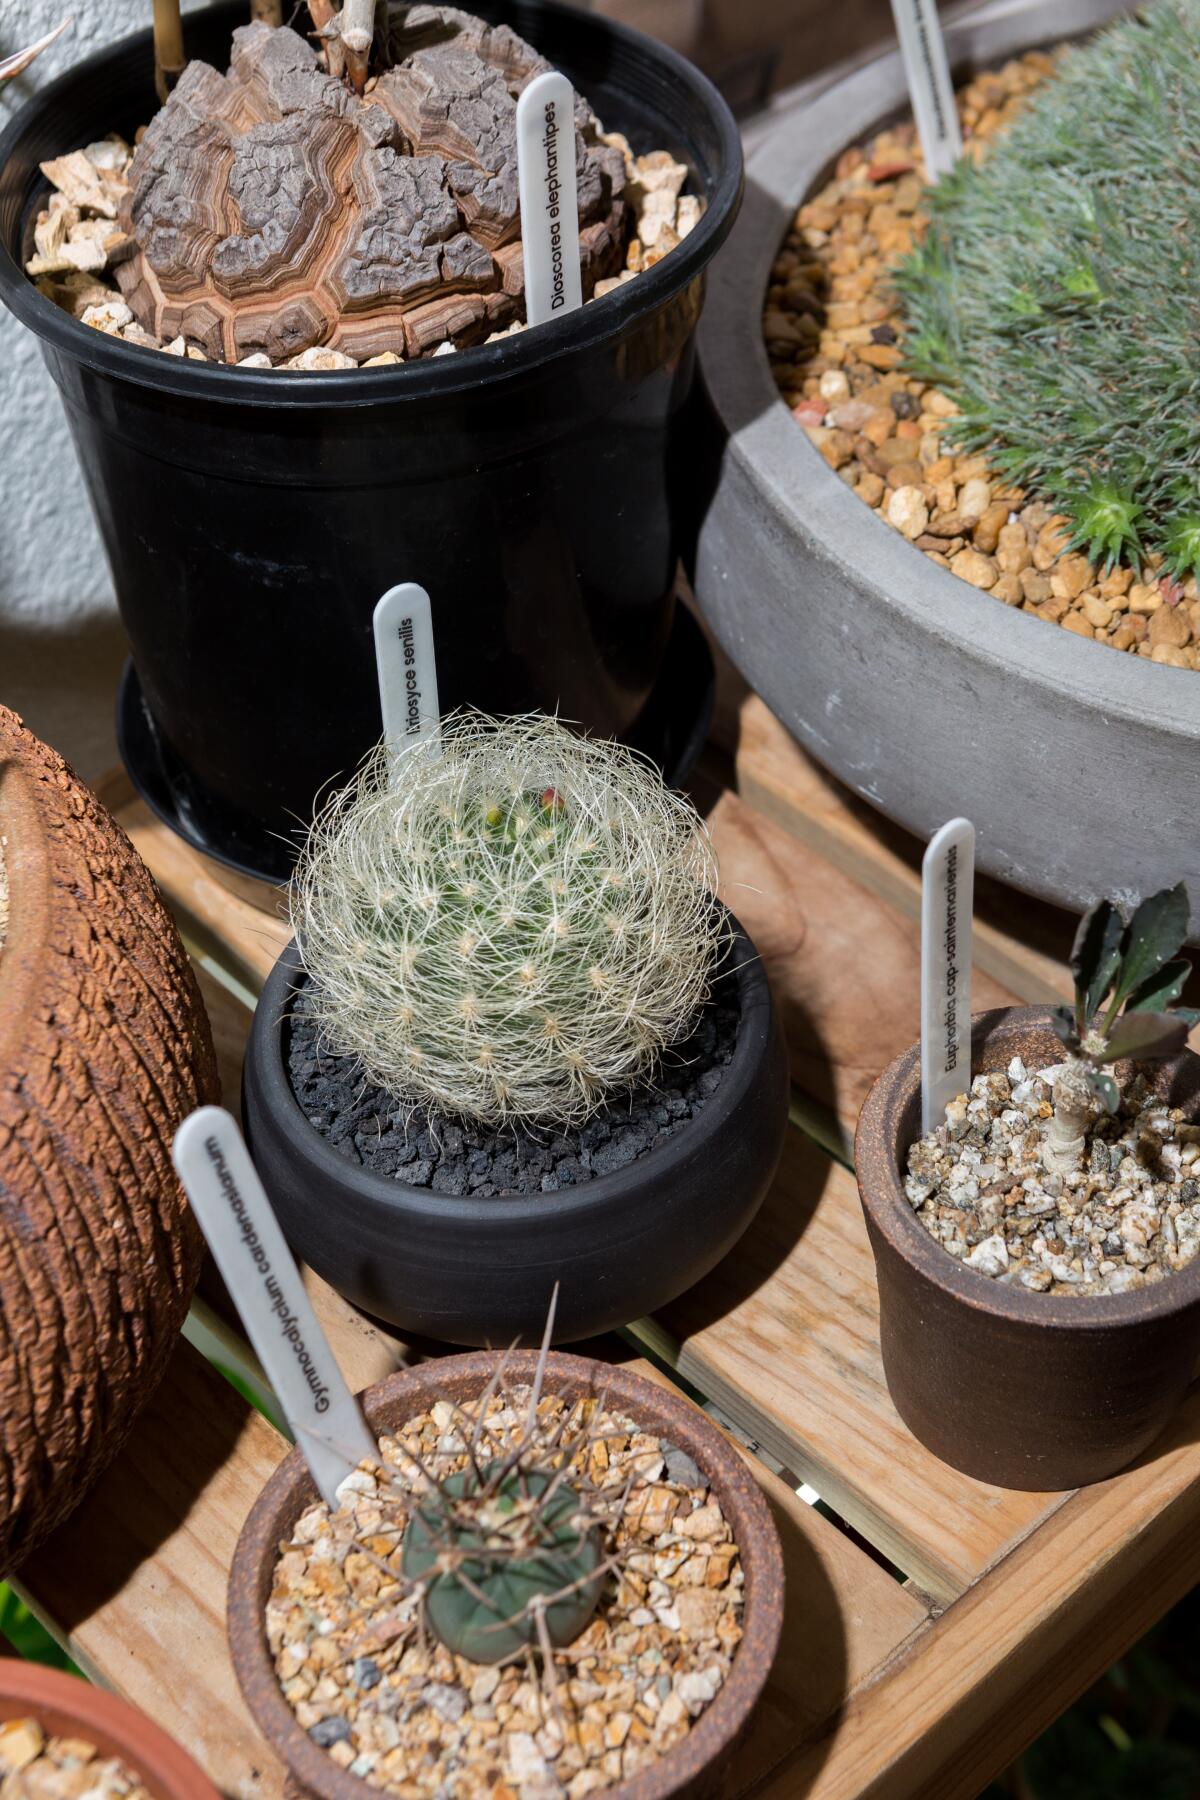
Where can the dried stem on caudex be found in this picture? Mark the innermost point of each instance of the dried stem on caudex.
(169, 58)
(348, 36)
(1127, 979)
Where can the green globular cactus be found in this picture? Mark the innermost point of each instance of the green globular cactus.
(496, 1549)
(508, 922)
(1056, 295)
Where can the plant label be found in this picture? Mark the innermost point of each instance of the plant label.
(549, 204)
(930, 89)
(947, 903)
(258, 1269)
(404, 658)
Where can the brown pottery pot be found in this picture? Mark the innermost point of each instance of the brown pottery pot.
(695, 1766)
(104, 1048)
(1021, 1389)
(65, 1706)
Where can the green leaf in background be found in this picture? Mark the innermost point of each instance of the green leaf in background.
(25, 1635)
(1153, 935)
(1158, 991)
(1147, 1036)
(1095, 958)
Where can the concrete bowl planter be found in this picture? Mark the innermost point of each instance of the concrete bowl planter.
(1020, 1389)
(473, 1270)
(693, 1767)
(926, 697)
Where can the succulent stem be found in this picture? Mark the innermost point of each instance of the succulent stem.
(1074, 1110)
(170, 59)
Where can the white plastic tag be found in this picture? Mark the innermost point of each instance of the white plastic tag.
(947, 903)
(549, 203)
(404, 658)
(258, 1269)
(929, 85)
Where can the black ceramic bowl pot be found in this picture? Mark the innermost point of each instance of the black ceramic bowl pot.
(1021, 1389)
(252, 518)
(481, 1271)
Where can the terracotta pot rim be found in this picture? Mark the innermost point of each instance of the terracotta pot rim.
(877, 1168)
(164, 1766)
(290, 1489)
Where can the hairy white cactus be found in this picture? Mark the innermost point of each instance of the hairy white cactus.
(511, 923)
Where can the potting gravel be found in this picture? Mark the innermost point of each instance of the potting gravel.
(1127, 1216)
(457, 1157)
(409, 1716)
(36, 1767)
(835, 337)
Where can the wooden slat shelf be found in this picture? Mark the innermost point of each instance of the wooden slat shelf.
(926, 1644)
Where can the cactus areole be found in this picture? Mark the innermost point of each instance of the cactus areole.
(498, 1548)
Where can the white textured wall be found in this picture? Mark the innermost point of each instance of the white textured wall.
(52, 569)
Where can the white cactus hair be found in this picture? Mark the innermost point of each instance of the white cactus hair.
(511, 923)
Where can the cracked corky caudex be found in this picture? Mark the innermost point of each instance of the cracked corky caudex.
(1056, 294)
(513, 928)
(273, 210)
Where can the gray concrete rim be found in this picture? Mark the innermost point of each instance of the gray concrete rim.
(779, 520)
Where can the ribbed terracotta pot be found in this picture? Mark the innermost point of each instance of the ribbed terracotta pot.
(104, 1048)
(694, 1767)
(65, 1706)
(1020, 1389)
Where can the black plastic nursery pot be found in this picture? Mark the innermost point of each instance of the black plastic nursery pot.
(481, 1271)
(252, 518)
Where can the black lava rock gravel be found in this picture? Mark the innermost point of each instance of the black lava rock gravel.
(454, 1156)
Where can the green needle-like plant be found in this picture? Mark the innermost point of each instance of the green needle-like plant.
(1127, 980)
(509, 922)
(1056, 295)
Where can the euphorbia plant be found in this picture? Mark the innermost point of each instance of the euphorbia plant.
(1127, 980)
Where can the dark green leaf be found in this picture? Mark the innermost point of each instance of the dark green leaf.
(1153, 935)
(1156, 994)
(1146, 1037)
(1095, 957)
(1105, 1089)
(1063, 1021)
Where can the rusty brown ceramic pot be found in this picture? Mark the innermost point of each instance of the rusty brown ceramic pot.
(1021, 1389)
(65, 1706)
(695, 1766)
(104, 1047)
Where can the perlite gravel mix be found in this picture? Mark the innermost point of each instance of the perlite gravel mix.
(1128, 1216)
(36, 1767)
(392, 1705)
